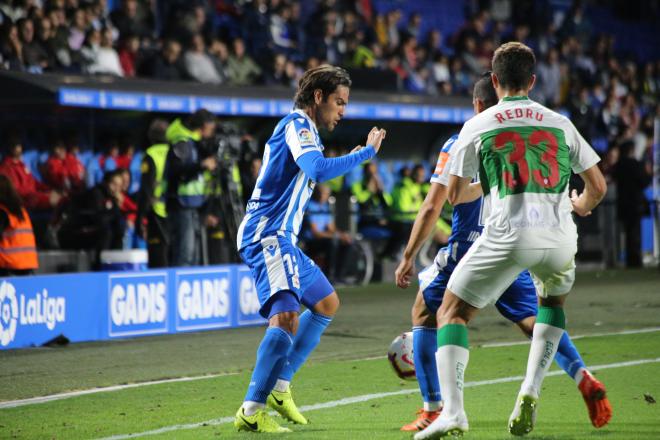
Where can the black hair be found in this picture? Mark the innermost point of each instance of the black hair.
(197, 120)
(484, 90)
(157, 130)
(325, 78)
(9, 197)
(513, 64)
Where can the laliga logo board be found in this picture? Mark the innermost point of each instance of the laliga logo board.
(202, 299)
(138, 304)
(39, 310)
(248, 307)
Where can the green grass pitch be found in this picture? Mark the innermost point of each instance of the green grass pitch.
(349, 363)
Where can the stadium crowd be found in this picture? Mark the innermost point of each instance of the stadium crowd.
(612, 98)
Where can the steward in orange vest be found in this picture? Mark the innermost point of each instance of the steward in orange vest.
(18, 251)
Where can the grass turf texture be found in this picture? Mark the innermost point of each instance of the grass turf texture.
(603, 302)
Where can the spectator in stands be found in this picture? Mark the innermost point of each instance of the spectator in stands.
(151, 218)
(93, 219)
(374, 203)
(327, 245)
(241, 68)
(12, 48)
(632, 177)
(60, 40)
(219, 54)
(128, 209)
(548, 78)
(63, 171)
(78, 30)
(101, 55)
(128, 20)
(167, 64)
(198, 64)
(35, 195)
(129, 55)
(46, 41)
(185, 184)
(277, 76)
(35, 57)
(18, 249)
(282, 30)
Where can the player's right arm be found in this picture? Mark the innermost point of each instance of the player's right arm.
(321, 169)
(422, 228)
(427, 217)
(464, 167)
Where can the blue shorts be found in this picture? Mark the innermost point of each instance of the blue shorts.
(516, 303)
(277, 265)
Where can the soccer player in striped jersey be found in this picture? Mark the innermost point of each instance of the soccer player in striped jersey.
(285, 277)
(524, 153)
(518, 303)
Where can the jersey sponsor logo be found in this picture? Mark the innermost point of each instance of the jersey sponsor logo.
(252, 205)
(23, 310)
(305, 137)
(138, 304)
(202, 299)
(272, 249)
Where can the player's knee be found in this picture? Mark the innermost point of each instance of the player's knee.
(553, 301)
(527, 325)
(287, 321)
(328, 306)
(422, 316)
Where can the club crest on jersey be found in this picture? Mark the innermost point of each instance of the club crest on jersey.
(305, 137)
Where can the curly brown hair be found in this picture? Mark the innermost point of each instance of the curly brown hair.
(326, 78)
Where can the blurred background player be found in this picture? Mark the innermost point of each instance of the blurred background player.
(518, 303)
(526, 153)
(285, 277)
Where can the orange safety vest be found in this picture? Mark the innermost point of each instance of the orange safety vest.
(18, 249)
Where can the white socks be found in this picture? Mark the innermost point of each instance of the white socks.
(250, 407)
(431, 406)
(541, 354)
(452, 361)
(281, 385)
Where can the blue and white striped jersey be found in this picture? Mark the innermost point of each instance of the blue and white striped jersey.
(283, 190)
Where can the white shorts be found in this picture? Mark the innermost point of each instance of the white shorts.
(486, 271)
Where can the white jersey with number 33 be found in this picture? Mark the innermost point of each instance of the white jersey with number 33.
(524, 153)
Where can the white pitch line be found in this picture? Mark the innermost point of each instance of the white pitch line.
(44, 399)
(67, 395)
(592, 335)
(366, 398)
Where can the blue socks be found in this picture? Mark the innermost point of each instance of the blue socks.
(425, 344)
(568, 357)
(311, 326)
(271, 357)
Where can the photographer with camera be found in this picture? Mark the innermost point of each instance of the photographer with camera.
(184, 170)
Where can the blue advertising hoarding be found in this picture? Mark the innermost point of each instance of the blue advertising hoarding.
(109, 305)
(141, 101)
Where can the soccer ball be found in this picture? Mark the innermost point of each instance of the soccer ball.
(400, 356)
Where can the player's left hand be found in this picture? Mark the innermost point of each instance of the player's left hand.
(575, 201)
(404, 273)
